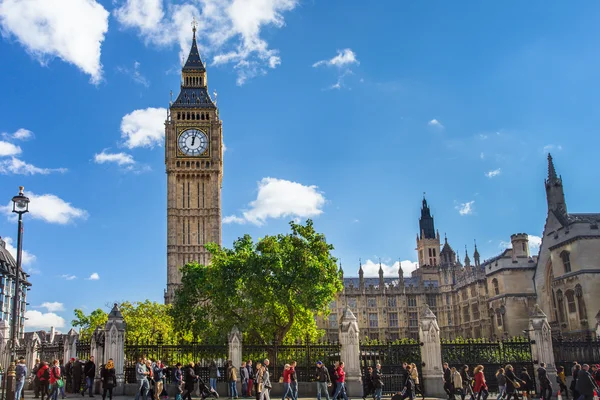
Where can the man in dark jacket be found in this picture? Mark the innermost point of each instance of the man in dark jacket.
(36, 381)
(585, 383)
(545, 384)
(68, 373)
(89, 371)
(250, 377)
(77, 372)
(378, 381)
(448, 381)
(323, 380)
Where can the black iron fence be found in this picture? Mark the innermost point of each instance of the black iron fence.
(491, 355)
(83, 351)
(391, 356)
(172, 353)
(584, 350)
(305, 355)
(51, 351)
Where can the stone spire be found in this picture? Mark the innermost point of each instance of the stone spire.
(341, 271)
(555, 195)
(194, 63)
(361, 275)
(381, 281)
(476, 257)
(400, 274)
(467, 259)
(426, 225)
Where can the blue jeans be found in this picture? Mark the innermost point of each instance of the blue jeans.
(19, 388)
(378, 393)
(294, 386)
(340, 388)
(213, 383)
(287, 389)
(144, 386)
(233, 389)
(322, 388)
(501, 390)
(89, 384)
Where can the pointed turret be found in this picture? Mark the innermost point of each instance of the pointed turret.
(341, 271)
(458, 260)
(476, 257)
(400, 274)
(381, 281)
(467, 259)
(447, 255)
(194, 62)
(555, 195)
(426, 225)
(361, 275)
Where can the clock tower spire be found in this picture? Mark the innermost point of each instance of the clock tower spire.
(194, 165)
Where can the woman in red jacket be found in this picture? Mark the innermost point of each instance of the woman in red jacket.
(480, 386)
(43, 375)
(55, 377)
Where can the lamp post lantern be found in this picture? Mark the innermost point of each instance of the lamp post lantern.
(20, 207)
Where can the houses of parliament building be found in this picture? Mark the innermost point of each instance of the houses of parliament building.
(493, 298)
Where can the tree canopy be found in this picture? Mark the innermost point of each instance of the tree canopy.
(146, 321)
(271, 289)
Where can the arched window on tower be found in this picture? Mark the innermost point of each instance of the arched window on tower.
(561, 306)
(565, 256)
(495, 286)
(498, 317)
(570, 295)
(580, 302)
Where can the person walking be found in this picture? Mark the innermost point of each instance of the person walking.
(368, 387)
(159, 375)
(232, 376)
(190, 381)
(323, 380)
(467, 383)
(447, 381)
(481, 387)
(244, 378)
(77, 375)
(258, 379)
(586, 384)
(43, 375)
(377, 378)
(89, 371)
(527, 386)
(512, 383)
(408, 388)
(21, 377)
(561, 379)
(213, 374)
(141, 375)
(109, 379)
(340, 380)
(55, 380)
(250, 377)
(178, 376)
(414, 373)
(266, 382)
(68, 374)
(36, 381)
(294, 381)
(456, 382)
(545, 384)
(501, 379)
(576, 371)
(286, 380)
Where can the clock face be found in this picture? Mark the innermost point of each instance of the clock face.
(193, 142)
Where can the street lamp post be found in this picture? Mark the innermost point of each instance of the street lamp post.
(20, 207)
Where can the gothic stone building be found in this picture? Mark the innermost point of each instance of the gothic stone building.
(492, 298)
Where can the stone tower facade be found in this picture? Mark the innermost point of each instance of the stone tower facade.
(194, 164)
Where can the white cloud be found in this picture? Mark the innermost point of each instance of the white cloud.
(68, 277)
(279, 198)
(94, 277)
(481, 155)
(229, 30)
(371, 269)
(135, 74)
(436, 124)
(9, 149)
(27, 257)
(19, 167)
(144, 128)
(534, 242)
(53, 306)
(20, 134)
(343, 58)
(551, 147)
(37, 320)
(117, 158)
(49, 208)
(465, 208)
(493, 173)
(71, 30)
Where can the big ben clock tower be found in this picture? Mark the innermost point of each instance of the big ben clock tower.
(194, 163)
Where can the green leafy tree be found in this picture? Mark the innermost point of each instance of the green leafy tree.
(88, 323)
(270, 289)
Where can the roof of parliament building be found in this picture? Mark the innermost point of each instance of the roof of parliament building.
(8, 265)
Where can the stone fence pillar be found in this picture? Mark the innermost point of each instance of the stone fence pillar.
(70, 349)
(235, 349)
(350, 352)
(114, 345)
(431, 354)
(541, 348)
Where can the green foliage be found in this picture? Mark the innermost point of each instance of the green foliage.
(88, 323)
(270, 289)
(146, 321)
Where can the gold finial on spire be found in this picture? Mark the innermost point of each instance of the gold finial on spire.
(194, 25)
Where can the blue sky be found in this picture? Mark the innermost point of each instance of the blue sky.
(342, 111)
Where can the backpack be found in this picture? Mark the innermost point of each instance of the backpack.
(46, 374)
